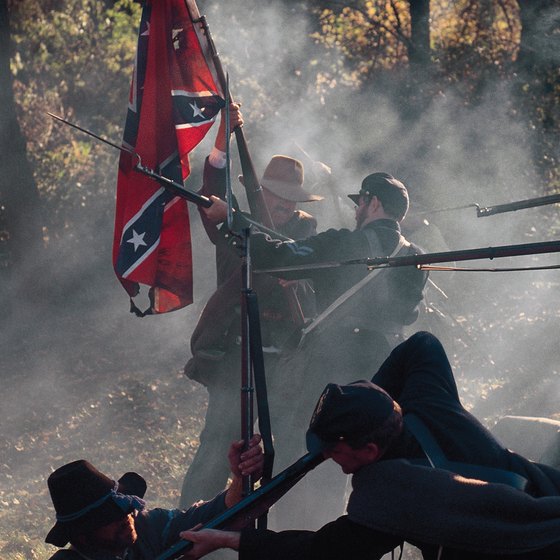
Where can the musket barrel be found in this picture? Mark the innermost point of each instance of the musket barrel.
(175, 188)
(518, 205)
(430, 258)
(468, 254)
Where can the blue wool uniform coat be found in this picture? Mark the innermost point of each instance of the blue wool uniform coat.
(397, 500)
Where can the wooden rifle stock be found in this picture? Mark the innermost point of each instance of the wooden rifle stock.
(248, 509)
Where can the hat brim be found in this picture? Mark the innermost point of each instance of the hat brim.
(287, 191)
(130, 483)
(59, 535)
(355, 198)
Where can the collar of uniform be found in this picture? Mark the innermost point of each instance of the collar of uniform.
(386, 223)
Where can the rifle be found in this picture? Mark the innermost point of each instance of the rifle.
(254, 192)
(421, 260)
(172, 186)
(517, 205)
(252, 360)
(254, 505)
(323, 173)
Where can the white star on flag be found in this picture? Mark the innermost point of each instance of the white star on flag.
(137, 239)
(197, 112)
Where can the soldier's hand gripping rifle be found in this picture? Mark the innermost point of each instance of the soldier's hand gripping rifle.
(253, 506)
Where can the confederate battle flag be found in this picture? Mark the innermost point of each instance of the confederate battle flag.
(174, 100)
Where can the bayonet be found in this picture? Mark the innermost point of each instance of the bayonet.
(97, 137)
(168, 184)
(484, 211)
(229, 192)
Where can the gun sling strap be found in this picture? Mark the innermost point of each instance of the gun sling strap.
(375, 248)
(438, 460)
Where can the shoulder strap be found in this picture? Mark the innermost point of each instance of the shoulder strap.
(352, 290)
(438, 460)
(427, 442)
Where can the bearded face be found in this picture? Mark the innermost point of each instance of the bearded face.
(362, 211)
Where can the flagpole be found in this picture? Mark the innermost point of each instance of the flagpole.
(257, 204)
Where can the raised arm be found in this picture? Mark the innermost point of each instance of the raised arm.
(214, 178)
(172, 522)
(268, 252)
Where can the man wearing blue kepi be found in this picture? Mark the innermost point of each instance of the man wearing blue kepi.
(424, 471)
(104, 519)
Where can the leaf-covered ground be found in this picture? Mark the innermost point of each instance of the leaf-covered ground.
(85, 384)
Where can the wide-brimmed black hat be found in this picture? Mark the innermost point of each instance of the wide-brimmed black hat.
(347, 413)
(85, 499)
(283, 177)
(391, 192)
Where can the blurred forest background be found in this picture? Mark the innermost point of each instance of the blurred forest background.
(460, 99)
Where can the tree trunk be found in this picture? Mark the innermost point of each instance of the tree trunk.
(539, 82)
(419, 46)
(20, 224)
(416, 90)
(531, 31)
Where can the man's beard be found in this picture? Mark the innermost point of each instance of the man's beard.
(361, 215)
(124, 537)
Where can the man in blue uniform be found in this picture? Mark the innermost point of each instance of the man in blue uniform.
(424, 471)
